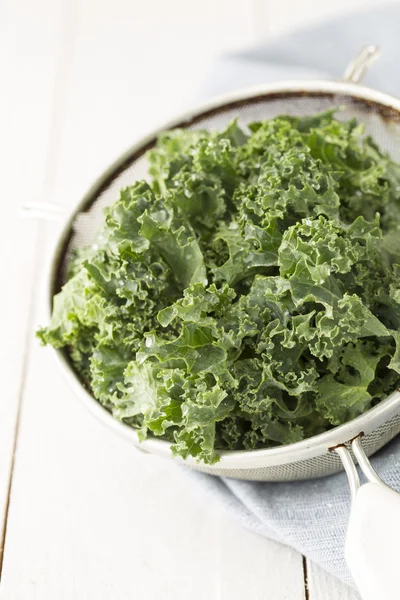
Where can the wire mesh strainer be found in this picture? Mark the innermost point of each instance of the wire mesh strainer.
(381, 116)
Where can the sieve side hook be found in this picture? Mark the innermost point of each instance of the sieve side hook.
(361, 63)
(43, 211)
(350, 466)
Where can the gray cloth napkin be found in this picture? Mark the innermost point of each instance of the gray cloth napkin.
(310, 516)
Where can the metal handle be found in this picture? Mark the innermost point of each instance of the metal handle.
(361, 63)
(350, 467)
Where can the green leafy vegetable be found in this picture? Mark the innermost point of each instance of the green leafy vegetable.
(249, 295)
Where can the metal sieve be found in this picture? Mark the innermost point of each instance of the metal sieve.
(380, 114)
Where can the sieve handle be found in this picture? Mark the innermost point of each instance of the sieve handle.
(361, 63)
(373, 533)
(372, 542)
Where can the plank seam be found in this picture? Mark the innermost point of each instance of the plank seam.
(305, 573)
(17, 421)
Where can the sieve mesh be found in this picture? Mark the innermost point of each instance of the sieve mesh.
(381, 122)
(318, 466)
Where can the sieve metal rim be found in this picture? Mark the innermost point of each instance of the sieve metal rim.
(312, 447)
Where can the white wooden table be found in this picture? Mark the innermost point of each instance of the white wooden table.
(82, 515)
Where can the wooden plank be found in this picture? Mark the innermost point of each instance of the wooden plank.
(29, 36)
(323, 585)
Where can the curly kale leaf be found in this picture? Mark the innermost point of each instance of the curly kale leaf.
(248, 295)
